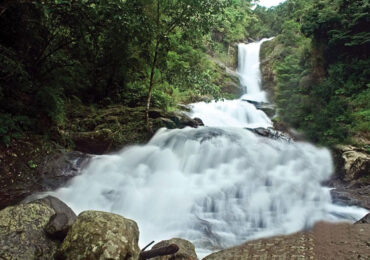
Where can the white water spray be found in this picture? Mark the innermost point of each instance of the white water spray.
(216, 186)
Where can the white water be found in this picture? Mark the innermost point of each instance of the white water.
(239, 113)
(216, 186)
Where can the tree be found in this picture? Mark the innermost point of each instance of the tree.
(169, 16)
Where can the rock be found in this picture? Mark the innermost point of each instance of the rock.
(98, 141)
(270, 54)
(22, 233)
(323, 241)
(184, 107)
(182, 120)
(270, 133)
(186, 250)
(351, 162)
(357, 194)
(269, 109)
(163, 122)
(199, 121)
(60, 167)
(101, 235)
(60, 223)
(364, 220)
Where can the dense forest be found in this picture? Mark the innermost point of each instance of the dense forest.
(59, 55)
(321, 67)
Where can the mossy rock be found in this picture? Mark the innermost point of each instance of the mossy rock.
(22, 233)
(101, 235)
(186, 250)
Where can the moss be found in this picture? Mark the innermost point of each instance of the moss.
(22, 233)
(101, 235)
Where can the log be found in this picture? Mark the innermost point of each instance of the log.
(166, 250)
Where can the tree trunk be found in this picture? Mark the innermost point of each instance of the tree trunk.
(151, 83)
(162, 251)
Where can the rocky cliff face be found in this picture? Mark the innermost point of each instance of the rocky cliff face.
(352, 176)
(270, 54)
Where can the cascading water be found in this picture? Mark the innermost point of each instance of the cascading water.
(218, 185)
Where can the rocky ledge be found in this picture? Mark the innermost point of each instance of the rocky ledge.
(324, 241)
(351, 181)
(48, 229)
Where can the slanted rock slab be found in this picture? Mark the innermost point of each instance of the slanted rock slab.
(186, 250)
(101, 235)
(60, 223)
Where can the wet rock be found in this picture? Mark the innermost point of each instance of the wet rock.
(270, 133)
(184, 107)
(60, 167)
(351, 195)
(51, 171)
(364, 220)
(186, 250)
(22, 233)
(60, 223)
(269, 109)
(101, 235)
(182, 120)
(199, 121)
(352, 163)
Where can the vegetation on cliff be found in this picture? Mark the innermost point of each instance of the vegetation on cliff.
(320, 64)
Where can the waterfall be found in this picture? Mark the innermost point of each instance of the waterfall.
(218, 185)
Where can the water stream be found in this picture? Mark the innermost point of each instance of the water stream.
(218, 185)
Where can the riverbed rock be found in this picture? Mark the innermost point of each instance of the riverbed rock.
(271, 133)
(101, 235)
(60, 223)
(22, 233)
(323, 241)
(186, 250)
(364, 220)
(353, 162)
(267, 108)
(59, 167)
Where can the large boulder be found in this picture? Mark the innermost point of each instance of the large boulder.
(352, 163)
(186, 250)
(101, 235)
(22, 233)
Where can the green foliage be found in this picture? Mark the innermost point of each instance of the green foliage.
(323, 70)
(11, 127)
(99, 52)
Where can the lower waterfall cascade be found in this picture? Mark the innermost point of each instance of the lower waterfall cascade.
(218, 185)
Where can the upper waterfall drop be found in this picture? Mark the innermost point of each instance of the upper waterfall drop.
(249, 70)
(239, 112)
